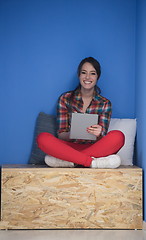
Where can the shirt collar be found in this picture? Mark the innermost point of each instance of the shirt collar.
(78, 95)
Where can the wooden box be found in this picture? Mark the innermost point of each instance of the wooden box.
(77, 198)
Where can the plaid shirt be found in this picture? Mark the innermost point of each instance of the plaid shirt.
(67, 104)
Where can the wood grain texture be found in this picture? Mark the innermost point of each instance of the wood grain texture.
(54, 198)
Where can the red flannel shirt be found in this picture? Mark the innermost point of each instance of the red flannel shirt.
(67, 104)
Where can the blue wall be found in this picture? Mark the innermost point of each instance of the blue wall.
(42, 43)
(140, 99)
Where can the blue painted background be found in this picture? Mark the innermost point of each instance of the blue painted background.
(41, 44)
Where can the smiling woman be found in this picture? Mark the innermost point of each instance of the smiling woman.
(86, 98)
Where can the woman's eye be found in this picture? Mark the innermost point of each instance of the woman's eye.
(83, 72)
(93, 73)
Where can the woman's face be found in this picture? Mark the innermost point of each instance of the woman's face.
(88, 76)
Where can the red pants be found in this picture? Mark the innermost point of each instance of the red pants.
(81, 153)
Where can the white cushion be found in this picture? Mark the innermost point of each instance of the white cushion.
(128, 127)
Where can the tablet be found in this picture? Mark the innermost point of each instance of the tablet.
(79, 124)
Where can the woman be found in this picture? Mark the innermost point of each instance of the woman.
(86, 98)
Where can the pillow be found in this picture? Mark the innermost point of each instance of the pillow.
(44, 123)
(128, 127)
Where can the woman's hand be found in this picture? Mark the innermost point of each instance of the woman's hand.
(95, 130)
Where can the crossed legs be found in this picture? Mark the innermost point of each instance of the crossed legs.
(81, 153)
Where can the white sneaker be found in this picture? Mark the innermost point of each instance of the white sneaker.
(58, 163)
(111, 161)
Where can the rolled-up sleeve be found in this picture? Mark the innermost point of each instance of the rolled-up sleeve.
(62, 115)
(105, 116)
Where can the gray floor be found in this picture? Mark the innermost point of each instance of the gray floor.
(73, 234)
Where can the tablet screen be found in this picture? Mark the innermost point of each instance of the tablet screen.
(79, 124)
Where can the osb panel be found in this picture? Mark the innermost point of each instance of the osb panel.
(46, 198)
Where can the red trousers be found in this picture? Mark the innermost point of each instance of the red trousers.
(81, 153)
